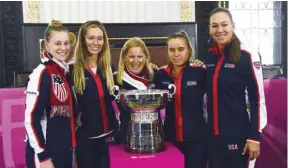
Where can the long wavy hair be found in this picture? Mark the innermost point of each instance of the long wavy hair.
(81, 53)
(133, 42)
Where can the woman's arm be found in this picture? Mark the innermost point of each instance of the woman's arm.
(37, 99)
(256, 97)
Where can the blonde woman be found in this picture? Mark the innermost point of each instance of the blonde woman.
(49, 113)
(134, 72)
(93, 79)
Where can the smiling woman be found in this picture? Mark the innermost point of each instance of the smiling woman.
(92, 76)
(49, 113)
(233, 69)
(94, 41)
(134, 73)
(58, 45)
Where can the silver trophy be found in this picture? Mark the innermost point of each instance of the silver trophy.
(145, 132)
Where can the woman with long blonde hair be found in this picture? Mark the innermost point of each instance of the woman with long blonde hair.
(134, 72)
(93, 79)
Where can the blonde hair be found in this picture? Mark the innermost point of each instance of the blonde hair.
(103, 62)
(54, 25)
(182, 34)
(133, 42)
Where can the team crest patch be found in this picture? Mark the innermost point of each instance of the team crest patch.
(257, 65)
(191, 83)
(59, 88)
(227, 65)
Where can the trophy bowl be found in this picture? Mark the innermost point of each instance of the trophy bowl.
(145, 132)
(144, 100)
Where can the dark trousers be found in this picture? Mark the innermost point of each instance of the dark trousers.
(60, 159)
(194, 153)
(92, 153)
(226, 152)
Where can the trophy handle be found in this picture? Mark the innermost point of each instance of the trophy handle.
(174, 90)
(113, 89)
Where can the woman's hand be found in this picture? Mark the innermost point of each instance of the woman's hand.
(109, 139)
(47, 164)
(196, 63)
(253, 148)
(154, 66)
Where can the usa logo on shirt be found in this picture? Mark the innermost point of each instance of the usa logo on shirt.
(257, 65)
(229, 65)
(233, 147)
(191, 83)
(59, 88)
(210, 65)
(165, 82)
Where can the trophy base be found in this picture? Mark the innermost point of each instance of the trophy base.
(144, 137)
(161, 148)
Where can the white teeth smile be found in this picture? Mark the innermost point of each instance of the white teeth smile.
(61, 53)
(220, 37)
(95, 48)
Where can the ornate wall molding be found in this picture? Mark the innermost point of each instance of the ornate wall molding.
(32, 11)
(223, 4)
(186, 11)
(11, 18)
(2, 67)
(107, 11)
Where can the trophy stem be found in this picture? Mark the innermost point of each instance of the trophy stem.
(145, 137)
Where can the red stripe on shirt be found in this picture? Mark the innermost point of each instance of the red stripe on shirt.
(215, 94)
(177, 102)
(101, 98)
(71, 112)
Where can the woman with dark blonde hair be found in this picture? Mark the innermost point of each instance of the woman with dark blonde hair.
(93, 79)
(141, 61)
(184, 123)
(134, 72)
(49, 113)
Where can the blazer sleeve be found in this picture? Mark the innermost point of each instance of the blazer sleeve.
(37, 100)
(256, 98)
